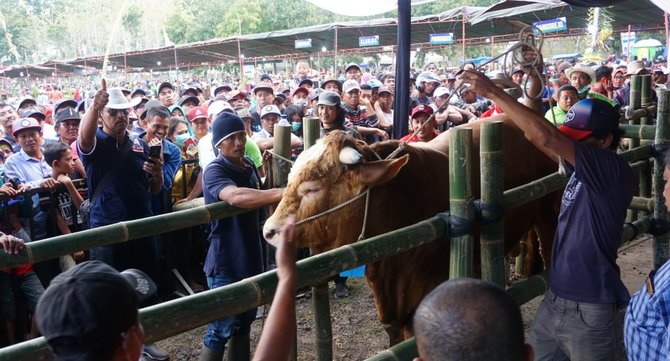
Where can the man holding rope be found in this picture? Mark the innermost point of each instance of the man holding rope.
(576, 318)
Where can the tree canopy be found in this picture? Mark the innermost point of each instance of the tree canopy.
(35, 31)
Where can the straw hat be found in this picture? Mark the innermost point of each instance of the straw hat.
(582, 69)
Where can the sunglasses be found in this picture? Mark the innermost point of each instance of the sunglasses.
(115, 112)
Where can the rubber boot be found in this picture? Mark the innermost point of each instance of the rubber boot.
(238, 348)
(207, 354)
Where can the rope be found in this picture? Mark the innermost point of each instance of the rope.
(336, 208)
(279, 156)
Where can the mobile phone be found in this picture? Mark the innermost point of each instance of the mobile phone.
(155, 151)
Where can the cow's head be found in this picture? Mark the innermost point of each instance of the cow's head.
(334, 170)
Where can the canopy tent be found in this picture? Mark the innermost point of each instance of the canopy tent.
(361, 8)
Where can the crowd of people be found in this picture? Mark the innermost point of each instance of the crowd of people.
(121, 154)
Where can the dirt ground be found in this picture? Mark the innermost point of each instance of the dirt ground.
(358, 335)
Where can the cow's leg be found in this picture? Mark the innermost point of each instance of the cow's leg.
(395, 336)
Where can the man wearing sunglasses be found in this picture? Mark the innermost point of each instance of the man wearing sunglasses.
(128, 177)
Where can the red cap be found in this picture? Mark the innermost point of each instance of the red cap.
(197, 113)
(422, 108)
(236, 93)
(300, 89)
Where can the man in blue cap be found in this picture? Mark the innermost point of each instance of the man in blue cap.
(576, 318)
(235, 249)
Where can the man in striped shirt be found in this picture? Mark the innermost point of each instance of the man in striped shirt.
(648, 315)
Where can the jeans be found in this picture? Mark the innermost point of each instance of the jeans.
(29, 284)
(220, 331)
(569, 330)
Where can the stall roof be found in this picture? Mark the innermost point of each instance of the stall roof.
(500, 22)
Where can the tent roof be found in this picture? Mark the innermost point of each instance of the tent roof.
(498, 23)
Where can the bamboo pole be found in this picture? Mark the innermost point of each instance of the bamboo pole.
(460, 200)
(638, 131)
(322, 324)
(176, 316)
(635, 102)
(645, 174)
(661, 251)
(282, 147)
(311, 130)
(492, 173)
(642, 204)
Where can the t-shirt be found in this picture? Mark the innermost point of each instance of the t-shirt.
(62, 203)
(593, 208)
(125, 195)
(235, 248)
(559, 115)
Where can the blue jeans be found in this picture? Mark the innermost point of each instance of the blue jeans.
(220, 331)
(29, 284)
(569, 330)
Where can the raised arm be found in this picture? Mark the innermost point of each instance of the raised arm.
(89, 124)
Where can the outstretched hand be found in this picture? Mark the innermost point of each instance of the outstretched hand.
(286, 253)
(101, 97)
(479, 82)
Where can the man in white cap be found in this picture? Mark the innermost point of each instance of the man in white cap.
(265, 137)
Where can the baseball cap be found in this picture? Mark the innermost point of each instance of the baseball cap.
(269, 109)
(153, 103)
(263, 86)
(315, 93)
(385, 89)
(26, 101)
(25, 123)
(300, 89)
(352, 65)
(63, 103)
(188, 98)
(281, 96)
(197, 113)
(225, 124)
(374, 83)
(89, 306)
(220, 88)
(33, 113)
(422, 108)
(306, 82)
(590, 117)
(218, 106)
(190, 89)
(138, 92)
(329, 98)
(165, 84)
(244, 113)
(440, 91)
(350, 85)
(332, 79)
(427, 77)
(67, 114)
(266, 77)
(237, 94)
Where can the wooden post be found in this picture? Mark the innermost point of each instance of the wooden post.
(635, 102)
(460, 200)
(282, 147)
(492, 174)
(311, 131)
(661, 251)
(323, 329)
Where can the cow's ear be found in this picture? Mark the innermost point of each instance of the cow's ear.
(380, 172)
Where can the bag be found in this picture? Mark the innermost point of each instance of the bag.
(85, 213)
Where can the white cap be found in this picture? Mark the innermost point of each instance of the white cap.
(440, 91)
(218, 106)
(270, 109)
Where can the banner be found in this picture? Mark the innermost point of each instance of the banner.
(552, 25)
(368, 40)
(441, 38)
(627, 42)
(303, 43)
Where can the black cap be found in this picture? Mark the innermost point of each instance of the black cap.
(89, 306)
(306, 81)
(67, 114)
(329, 98)
(64, 103)
(190, 89)
(165, 84)
(33, 113)
(138, 92)
(220, 88)
(189, 98)
(266, 77)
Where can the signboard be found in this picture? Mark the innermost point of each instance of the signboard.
(627, 42)
(552, 25)
(368, 40)
(303, 43)
(441, 38)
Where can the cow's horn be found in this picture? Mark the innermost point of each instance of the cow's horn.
(349, 155)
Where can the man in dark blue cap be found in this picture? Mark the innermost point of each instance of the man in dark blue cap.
(576, 318)
(90, 312)
(235, 249)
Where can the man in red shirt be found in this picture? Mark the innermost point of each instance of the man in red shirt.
(420, 115)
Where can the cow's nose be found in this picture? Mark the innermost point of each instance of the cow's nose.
(270, 230)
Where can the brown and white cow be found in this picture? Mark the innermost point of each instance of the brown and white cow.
(411, 187)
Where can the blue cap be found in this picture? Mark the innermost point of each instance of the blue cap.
(590, 117)
(225, 124)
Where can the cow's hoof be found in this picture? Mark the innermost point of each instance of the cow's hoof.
(341, 290)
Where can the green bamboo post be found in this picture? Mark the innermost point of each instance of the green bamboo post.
(311, 131)
(635, 102)
(171, 318)
(492, 174)
(460, 200)
(282, 147)
(661, 251)
(323, 329)
(647, 132)
(645, 174)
